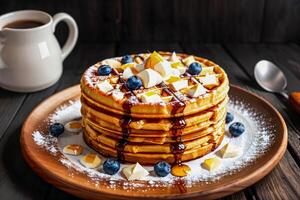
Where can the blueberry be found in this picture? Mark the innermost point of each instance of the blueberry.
(162, 168)
(236, 129)
(195, 68)
(229, 117)
(104, 70)
(56, 129)
(134, 83)
(126, 59)
(111, 166)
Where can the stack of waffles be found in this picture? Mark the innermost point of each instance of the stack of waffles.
(176, 113)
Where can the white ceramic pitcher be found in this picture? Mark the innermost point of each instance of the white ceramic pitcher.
(31, 59)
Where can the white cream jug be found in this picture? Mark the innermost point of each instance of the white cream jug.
(31, 58)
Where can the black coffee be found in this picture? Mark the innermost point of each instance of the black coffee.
(23, 24)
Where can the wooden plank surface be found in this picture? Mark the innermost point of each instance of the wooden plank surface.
(282, 183)
(238, 76)
(281, 21)
(12, 165)
(248, 55)
(174, 20)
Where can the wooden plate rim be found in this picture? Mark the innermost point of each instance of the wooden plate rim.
(226, 189)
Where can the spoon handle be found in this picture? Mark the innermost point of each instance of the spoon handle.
(294, 100)
(284, 94)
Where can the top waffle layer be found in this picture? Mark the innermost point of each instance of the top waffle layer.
(173, 85)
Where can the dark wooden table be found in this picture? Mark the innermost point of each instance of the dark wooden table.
(18, 181)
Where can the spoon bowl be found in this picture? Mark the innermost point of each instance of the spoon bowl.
(270, 77)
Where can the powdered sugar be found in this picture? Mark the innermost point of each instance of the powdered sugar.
(253, 143)
(46, 141)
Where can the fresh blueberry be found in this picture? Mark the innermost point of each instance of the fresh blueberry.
(56, 129)
(195, 68)
(162, 168)
(126, 59)
(229, 117)
(134, 83)
(104, 70)
(111, 166)
(236, 129)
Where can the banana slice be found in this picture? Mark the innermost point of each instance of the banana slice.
(73, 149)
(209, 81)
(229, 151)
(135, 172)
(105, 86)
(188, 60)
(127, 65)
(196, 90)
(90, 160)
(179, 66)
(150, 78)
(112, 62)
(153, 59)
(127, 73)
(178, 85)
(206, 70)
(211, 163)
(164, 68)
(73, 126)
(117, 94)
(174, 58)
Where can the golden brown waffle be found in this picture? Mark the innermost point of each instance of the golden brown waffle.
(149, 110)
(177, 128)
(152, 158)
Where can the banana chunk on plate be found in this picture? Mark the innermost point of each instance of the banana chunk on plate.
(211, 164)
(90, 160)
(229, 151)
(73, 126)
(73, 149)
(135, 172)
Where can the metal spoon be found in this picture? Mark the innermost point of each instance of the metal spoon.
(272, 79)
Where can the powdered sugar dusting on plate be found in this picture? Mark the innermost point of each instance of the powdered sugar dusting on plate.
(256, 140)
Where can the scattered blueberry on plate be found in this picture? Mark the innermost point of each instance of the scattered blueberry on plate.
(104, 70)
(111, 166)
(236, 129)
(134, 83)
(194, 68)
(126, 59)
(229, 117)
(56, 129)
(162, 168)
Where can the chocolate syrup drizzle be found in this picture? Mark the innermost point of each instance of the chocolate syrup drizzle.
(177, 147)
(125, 121)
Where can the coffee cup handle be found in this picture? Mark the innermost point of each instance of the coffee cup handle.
(73, 32)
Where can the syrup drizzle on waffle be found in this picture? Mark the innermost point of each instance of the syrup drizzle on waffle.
(177, 147)
(125, 121)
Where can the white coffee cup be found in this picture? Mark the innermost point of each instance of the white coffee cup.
(31, 58)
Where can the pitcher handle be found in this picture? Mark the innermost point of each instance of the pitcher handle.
(2, 64)
(73, 32)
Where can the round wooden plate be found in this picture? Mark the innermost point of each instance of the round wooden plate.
(79, 184)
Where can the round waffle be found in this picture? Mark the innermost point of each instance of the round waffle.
(164, 109)
(186, 120)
